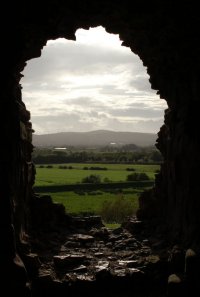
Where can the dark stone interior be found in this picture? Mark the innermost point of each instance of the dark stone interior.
(166, 37)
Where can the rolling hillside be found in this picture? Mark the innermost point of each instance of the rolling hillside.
(94, 138)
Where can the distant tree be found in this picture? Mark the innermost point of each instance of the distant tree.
(62, 167)
(92, 179)
(156, 156)
(130, 169)
(143, 176)
(137, 176)
(98, 168)
(107, 180)
(129, 147)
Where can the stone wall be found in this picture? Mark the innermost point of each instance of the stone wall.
(166, 38)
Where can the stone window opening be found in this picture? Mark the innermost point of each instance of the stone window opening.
(104, 84)
(88, 250)
(167, 43)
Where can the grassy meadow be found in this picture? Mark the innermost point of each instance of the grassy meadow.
(90, 202)
(115, 172)
(85, 201)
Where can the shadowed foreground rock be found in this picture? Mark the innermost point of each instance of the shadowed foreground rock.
(80, 259)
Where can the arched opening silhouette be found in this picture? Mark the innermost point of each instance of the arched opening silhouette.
(96, 108)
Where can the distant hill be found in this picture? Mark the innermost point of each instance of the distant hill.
(94, 138)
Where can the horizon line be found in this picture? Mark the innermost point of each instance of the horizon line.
(98, 130)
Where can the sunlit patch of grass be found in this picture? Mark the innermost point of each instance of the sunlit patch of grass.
(114, 172)
(112, 226)
(91, 204)
(83, 201)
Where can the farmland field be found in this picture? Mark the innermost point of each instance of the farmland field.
(90, 202)
(115, 172)
(86, 201)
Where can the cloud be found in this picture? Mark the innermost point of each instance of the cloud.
(141, 83)
(93, 120)
(70, 58)
(138, 112)
(82, 101)
(92, 83)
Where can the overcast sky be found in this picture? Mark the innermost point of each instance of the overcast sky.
(89, 84)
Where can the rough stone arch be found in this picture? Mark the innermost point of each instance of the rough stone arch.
(166, 38)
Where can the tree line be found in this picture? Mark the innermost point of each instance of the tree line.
(52, 156)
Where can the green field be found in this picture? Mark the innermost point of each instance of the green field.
(114, 172)
(85, 201)
(90, 202)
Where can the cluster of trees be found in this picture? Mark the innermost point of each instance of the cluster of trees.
(51, 156)
(137, 176)
(65, 167)
(92, 179)
(94, 168)
(96, 179)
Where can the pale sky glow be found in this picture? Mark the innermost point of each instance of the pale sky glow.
(89, 84)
